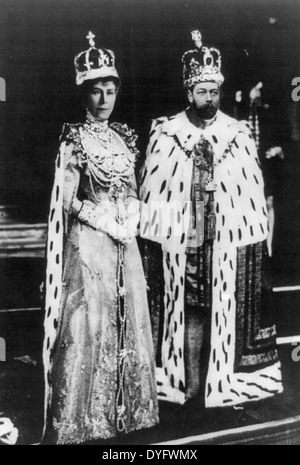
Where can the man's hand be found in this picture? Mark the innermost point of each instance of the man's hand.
(273, 152)
(255, 94)
(8, 433)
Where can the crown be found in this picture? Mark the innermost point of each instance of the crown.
(201, 64)
(94, 63)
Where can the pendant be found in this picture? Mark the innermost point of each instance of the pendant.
(198, 159)
(211, 186)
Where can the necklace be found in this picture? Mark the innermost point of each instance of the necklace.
(206, 163)
(99, 131)
(109, 169)
(197, 157)
(105, 166)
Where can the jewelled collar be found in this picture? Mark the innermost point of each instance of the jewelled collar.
(97, 124)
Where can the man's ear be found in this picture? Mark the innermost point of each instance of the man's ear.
(190, 96)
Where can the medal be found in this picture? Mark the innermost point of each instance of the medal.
(210, 186)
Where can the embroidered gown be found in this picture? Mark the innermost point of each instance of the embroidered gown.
(98, 382)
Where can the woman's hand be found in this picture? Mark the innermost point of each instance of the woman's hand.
(102, 218)
(129, 230)
(119, 232)
(133, 213)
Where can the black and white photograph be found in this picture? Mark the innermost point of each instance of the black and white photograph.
(150, 224)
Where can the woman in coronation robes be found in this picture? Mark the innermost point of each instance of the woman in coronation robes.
(98, 353)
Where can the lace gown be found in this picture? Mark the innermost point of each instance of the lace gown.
(86, 377)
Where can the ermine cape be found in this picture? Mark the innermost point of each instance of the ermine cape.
(243, 363)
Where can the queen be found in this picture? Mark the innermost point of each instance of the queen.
(98, 354)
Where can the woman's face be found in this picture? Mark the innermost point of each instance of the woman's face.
(100, 99)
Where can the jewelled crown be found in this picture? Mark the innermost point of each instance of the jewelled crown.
(201, 64)
(94, 63)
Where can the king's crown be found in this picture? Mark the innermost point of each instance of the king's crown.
(201, 64)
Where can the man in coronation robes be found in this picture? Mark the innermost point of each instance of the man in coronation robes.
(203, 201)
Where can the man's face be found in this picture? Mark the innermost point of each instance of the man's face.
(100, 99)
(205, 99)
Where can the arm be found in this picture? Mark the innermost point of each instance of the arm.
(99, 218)
(103, 217)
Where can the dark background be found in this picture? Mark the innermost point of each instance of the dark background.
(39, 39)
(258, 40)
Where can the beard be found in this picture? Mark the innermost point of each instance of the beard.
(206, 112)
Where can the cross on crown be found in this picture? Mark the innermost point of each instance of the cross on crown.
(90, 38)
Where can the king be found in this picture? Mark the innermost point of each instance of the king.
(202, 169)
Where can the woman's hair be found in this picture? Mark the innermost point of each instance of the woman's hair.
(86, 85)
